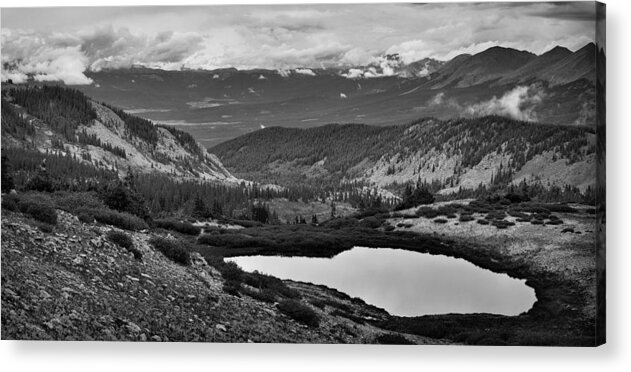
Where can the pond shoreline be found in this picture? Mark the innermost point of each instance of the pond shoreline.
(403, 282)
(556, 318)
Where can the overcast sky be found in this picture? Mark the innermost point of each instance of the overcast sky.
(62, 43)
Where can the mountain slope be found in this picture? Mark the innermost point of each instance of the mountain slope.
(452, 153)
(65, 121)
(482, 67)
(579, 65)
(533, 69)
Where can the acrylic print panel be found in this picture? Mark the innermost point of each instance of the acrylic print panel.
(361, 173)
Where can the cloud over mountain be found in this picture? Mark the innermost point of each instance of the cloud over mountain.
(61, 43)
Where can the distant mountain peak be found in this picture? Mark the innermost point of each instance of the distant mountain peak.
(557, 51)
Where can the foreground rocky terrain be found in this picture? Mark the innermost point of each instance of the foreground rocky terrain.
(74, 284)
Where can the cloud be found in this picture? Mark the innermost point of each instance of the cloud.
(305, 71)
(381, 66)
(437, 99)
(519, 103)
(23, 56)
(281, 37)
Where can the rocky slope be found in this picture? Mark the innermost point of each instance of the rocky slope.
(73, 284)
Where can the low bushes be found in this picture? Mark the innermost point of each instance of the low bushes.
(73, 201)
(501, 224)
(181, 227)
(263, 295)
(38, 207)
(232, 287)
(124, 241)
(121, 220)
(427, 212)
(10, 202)
(440, 220)
(299, 312)
(340, 223)
(231, 271)
(466, 218)
(483, 222)
(267, 287)
(176, 251)
(85, 217)
(246, 223)
(370, 222)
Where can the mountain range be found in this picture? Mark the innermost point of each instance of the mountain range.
(556, 87)
(499, 116)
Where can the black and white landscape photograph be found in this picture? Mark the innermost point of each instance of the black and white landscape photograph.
(387, 173)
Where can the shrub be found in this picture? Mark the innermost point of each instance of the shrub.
(320, 304)
(120, 238)
(517, 198)
(44, 227)
(393, 339)
(231, 271)
(339, 223)
(270, 284)
(501, 224)
(427, 212)
(299, 312)
(174, 250)
(537, 222)
(38, 207)
(85, 217)
(370, 222)
(232, 287)
(440, 220)
(483, 222)
(10, 202)
(71, 202)
(124, 241)
(181, 227)
(555, 222)
(121, 220)
(389, 228)
(465, 218)
(263, 295)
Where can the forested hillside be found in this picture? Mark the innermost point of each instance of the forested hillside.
(450, 155)
(54, 119)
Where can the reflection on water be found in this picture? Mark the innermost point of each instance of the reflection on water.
(404, 283)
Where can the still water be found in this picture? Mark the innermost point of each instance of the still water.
(404, 283)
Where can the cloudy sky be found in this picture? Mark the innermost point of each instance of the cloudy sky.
(62, 43)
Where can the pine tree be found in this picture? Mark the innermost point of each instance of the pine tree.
(7, 178)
